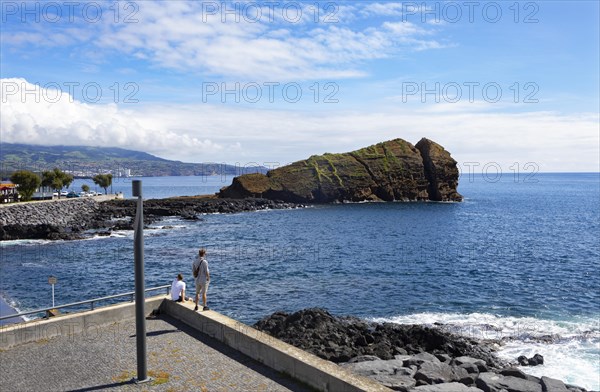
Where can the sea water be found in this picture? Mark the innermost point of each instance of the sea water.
(517, 261)
(160, 187)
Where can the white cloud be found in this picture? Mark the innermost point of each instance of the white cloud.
(180, 38)
(184, 36)
(556, 142)
(42, 118)
(383, 9)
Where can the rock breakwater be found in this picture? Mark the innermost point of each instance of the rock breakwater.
(405, 357)
(78, 218)
(64, 219)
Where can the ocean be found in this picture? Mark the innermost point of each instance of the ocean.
(518, 259)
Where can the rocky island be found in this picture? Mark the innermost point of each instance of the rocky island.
(390, 171)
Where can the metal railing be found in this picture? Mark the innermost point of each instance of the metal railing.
(89, 301)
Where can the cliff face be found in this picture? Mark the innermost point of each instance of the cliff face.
(392, 170)
(440, 170)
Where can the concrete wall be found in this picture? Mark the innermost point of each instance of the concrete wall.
(99, 198)
(84, 322)
(300, 365)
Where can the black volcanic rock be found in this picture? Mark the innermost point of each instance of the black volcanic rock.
(388, 171)
(404, 357)
(74, 218)
(339, 339)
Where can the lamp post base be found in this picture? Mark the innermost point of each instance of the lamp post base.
(136, 381)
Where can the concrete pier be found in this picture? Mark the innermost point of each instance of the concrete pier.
(187, 350)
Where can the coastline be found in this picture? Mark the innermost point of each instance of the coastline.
(81, 218)
(406, 357)
(5, 310)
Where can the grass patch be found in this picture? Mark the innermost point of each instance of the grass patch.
(333, 169)
(312, 162)
(124, 376)
(158, 377)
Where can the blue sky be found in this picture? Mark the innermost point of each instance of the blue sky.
(527, 73)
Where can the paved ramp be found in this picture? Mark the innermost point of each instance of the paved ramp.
(104, 358)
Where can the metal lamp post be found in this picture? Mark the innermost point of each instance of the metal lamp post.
(52, 281)
(138, 254)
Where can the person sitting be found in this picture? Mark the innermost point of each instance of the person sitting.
(178, 289)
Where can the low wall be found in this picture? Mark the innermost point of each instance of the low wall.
(300, 365)
(67, 325)
(110, 196)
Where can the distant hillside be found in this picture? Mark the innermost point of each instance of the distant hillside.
(85, 161)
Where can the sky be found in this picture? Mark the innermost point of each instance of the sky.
(501, 84)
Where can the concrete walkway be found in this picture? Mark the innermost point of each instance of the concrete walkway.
(104, 358)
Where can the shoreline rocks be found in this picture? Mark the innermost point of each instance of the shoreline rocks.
(404, 357)
(339, 339)
(536, 360)
(74, 219)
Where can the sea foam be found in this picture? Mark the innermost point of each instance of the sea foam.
(571, 348)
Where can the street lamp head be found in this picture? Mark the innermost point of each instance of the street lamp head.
(136, 188)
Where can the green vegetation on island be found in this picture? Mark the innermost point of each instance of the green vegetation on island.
(388, 171)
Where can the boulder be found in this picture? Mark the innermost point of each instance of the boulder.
(421, 358)
(390, 373)
(573, 388)
(470, 368)
(469, 363)
(492, 382)
(438, 373)
(450, 387)
(369, 368)
(469, 380)
(364, 358)
(522, 360)
(553, 385)
(513, 372)
(537, 359)
(395, 382)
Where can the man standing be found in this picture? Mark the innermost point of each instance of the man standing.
(202, 277)
(178, 289)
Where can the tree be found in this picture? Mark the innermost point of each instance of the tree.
(103, 181)
(56, 179)
(27, 182)
(85, 188)
(67, 180)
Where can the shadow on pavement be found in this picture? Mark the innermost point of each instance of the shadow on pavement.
(101, 387)
(235, 355)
